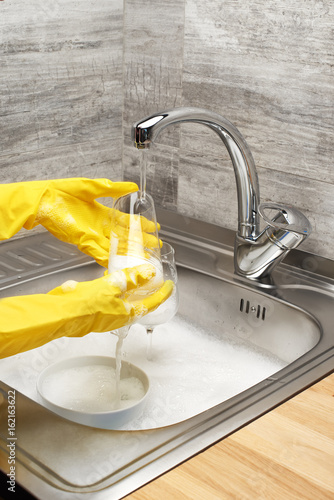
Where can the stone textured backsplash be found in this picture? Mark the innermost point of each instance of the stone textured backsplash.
(76, 75)
(267, 66)
(61, 89)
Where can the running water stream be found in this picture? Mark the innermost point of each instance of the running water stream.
(121, 333)
(143, 170)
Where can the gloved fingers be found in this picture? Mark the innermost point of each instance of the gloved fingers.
(122, 224)
(131, 278)
(152, 301)
(133, 230)
(97, 249)
(127, 220)
(119, 189)
(20, 202)
(116, 283)
(89, 189)
(133, 242)
(73, 221)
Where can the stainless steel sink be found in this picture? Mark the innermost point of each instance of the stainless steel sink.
(290, 318)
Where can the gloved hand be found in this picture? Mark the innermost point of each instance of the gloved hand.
(66, 208)
(75, 309)
(134, 233)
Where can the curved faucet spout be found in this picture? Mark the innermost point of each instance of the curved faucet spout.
(255, 254)
(145, 132)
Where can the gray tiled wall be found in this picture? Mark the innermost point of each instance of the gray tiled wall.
(70, 69)
(265, 65)
(61, 89)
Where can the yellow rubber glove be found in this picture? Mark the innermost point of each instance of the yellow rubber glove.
(66, 208)
(75, 309)
(134, 234)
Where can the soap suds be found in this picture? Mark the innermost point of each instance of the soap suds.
(69, 285)
(117, 279)
(64, 389)
(191, 369)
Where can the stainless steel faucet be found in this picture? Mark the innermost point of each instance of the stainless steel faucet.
(256, 253)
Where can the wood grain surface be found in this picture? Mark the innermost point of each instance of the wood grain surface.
(287, 454)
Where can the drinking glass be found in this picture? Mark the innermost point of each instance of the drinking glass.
(134, 234)
(134, 241)
(166, 311)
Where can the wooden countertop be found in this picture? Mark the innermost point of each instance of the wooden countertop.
(286, 454)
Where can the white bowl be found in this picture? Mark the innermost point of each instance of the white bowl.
(78, 389)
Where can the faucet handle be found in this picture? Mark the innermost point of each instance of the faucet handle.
(287, 228)
(288, 218)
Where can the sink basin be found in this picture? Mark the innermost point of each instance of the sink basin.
(288, 320)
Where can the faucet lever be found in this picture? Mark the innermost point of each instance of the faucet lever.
(288, 227)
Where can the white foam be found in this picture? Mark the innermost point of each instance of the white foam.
(69, 285)
(191, 370)
(65, 388)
